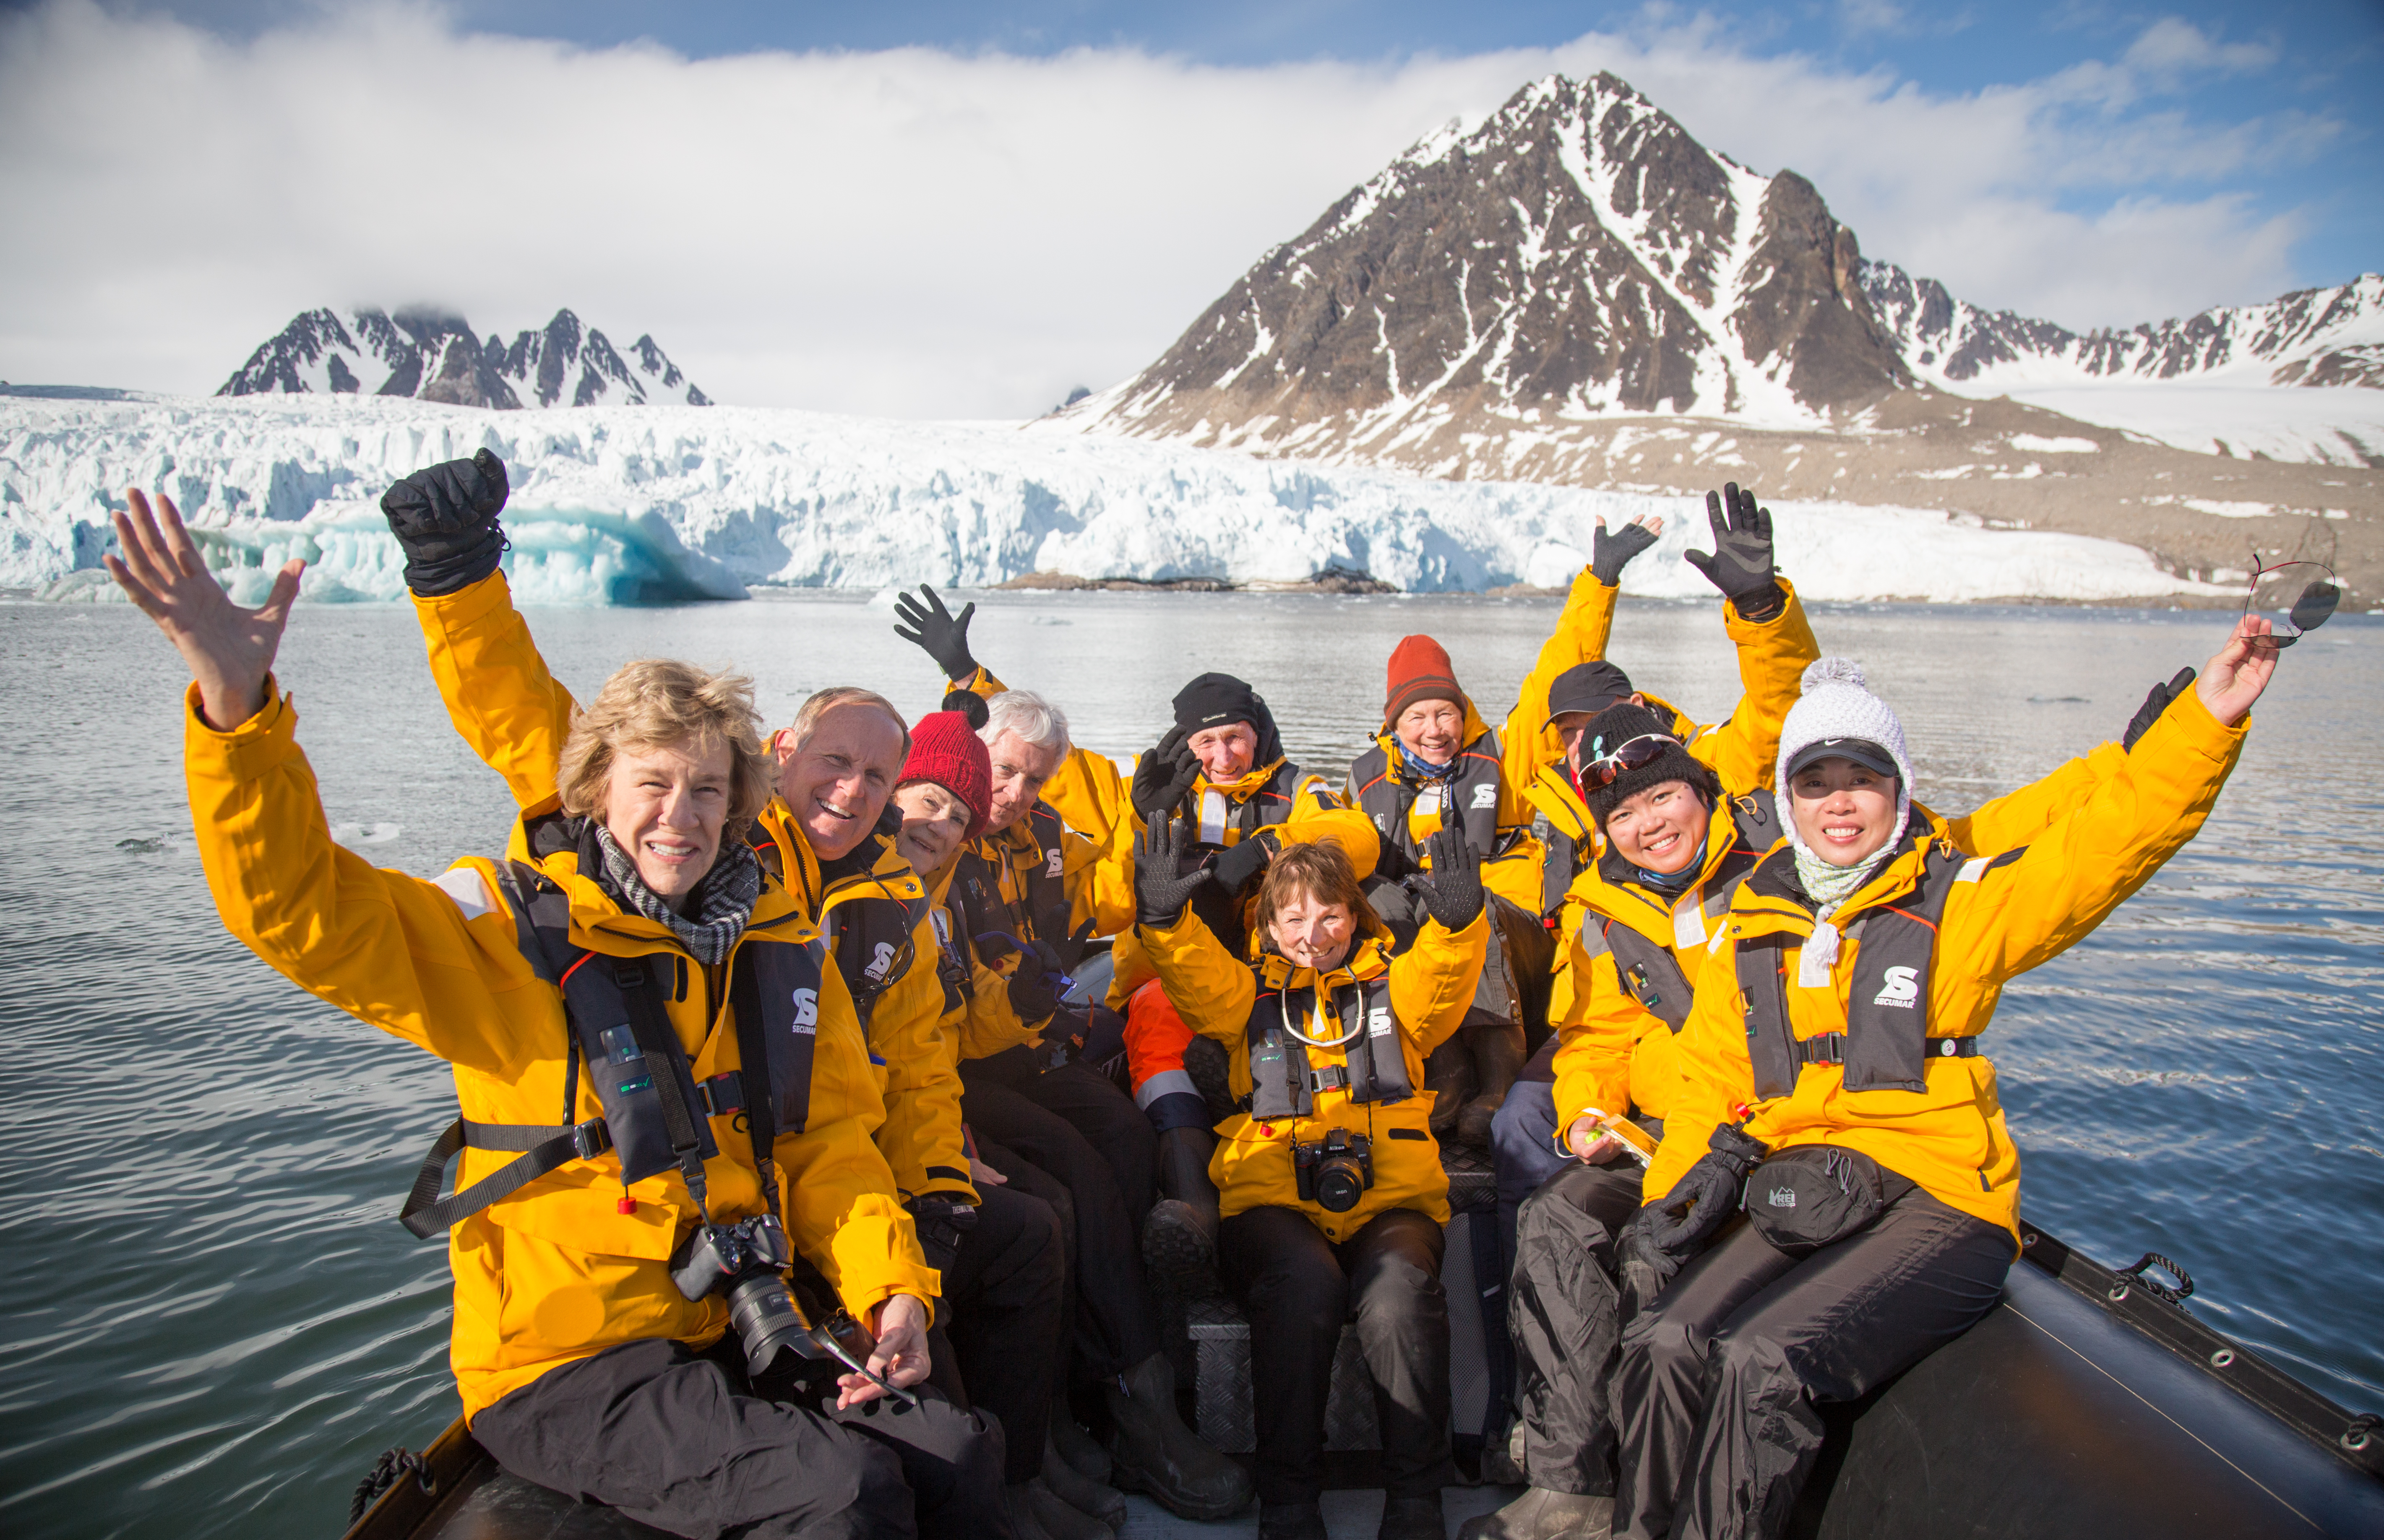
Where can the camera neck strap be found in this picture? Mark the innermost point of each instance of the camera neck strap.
(753, 1056)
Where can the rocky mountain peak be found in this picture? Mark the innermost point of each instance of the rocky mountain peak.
(1577, 254)
(435, 355)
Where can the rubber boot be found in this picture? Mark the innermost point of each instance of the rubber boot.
(1291, 1521)
(1212, 1069)
(1498, 1049)
(1018, 1506)
(1448, 1073)
(1540, 1514)
(1075, 1446)
(1062, 1520)
(1082, 1492)
(1412, 1518)
(1179, 1239)
(1154, 1452)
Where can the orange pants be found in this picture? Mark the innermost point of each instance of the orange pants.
(1155, 1039)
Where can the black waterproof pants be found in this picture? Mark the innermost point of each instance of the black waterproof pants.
(1716, 1392)
(1564, 1317)
(1005, 1317)
(1114, 1324)
(1091, 1103)
(675, 1438)
(1299, 1289)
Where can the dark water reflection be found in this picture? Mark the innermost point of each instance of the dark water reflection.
(214, 1321)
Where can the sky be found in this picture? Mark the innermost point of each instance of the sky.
(964, 210)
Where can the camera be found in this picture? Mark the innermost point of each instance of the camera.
(1333, 1173)
(747, 1261)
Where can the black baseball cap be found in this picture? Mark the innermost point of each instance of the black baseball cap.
(1862, 750)
(1587, 686)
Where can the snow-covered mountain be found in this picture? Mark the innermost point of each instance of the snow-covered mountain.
(1498, 300)
(2309, 337)
(437, 356)
(616, 504)
(1575, 255)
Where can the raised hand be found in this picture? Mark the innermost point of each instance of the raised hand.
(1452, 889)
(229, 649)
(1609, 554)
(2156, 703)
(1160, 886)
(445, 518)
(1740, 563)
(935, 631)
(1163, 776)
(2234, 678)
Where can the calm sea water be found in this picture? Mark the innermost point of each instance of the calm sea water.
(214, 1321)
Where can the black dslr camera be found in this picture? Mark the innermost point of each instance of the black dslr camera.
(748, 1260)
(1333, 1173)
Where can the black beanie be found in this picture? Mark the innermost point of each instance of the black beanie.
(1618, 724)
(1214, 699)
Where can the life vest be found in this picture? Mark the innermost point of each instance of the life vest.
(1651, 971)
(1208, 813)
(871, 937)
(1886, 1044)
(1283, 1082)
(655, 1113)
(1388, 801)
(951, 956)
(976, 881)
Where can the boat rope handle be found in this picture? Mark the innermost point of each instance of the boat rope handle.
(2152, 1286)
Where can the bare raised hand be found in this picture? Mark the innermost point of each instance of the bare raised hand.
(2234, 678)
(228, 648)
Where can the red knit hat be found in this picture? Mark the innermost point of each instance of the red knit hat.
(1420, 671)
(946, 750)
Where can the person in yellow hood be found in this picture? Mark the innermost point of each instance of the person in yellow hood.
(631, 967)
(1831, 1071)
(1331, 1183)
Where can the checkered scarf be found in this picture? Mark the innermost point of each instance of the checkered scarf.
(722, 902)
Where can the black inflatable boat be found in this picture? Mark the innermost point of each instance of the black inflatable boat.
(2090, 1405)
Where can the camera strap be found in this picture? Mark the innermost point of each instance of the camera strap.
(753, 1056)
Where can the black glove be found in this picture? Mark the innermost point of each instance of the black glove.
(1452, 889)
(1163, 776)
(1037, 985)
(1708, 1193)
(2156, 703)
(1609, 554)
(942, 1221)
(1741, 563)
(935, 631)
(1247, 860)
(1642, 1268)
(1159, 894)
(445, 518)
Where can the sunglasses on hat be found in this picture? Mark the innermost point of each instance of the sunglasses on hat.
(1647, 749)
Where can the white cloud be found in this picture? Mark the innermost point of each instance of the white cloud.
(919, 234)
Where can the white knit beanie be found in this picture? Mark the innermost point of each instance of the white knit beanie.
(1835, 705)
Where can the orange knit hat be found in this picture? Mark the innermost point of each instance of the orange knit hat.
(1420, 670)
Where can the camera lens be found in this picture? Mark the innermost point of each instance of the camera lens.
(1339, 1184)
(765, 1318)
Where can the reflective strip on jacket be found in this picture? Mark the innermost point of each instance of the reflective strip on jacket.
(1431, 984)
(556, 1272)
(2007, 913)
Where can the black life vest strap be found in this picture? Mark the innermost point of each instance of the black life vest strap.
(1650, 974)
(544, 1148)
(1830, 1047)
(753, 1049)
(649, 1025)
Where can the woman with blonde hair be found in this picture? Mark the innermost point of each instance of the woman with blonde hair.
(665, 1097)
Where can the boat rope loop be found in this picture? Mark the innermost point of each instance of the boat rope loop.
(2362, 1432)
(393, 1463)
(2128, 1275)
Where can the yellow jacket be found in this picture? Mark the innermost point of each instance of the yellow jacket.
(1510, 867)
(2007, 913)
(918, 1070)
(1616, 1055)
(557, 1272)
(1085, 791)
(515, 715)
(1772, 656)
(1431, 984)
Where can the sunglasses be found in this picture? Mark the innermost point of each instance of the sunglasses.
(1646, 749)
(2312, 610)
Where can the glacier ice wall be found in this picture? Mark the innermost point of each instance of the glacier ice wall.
(622, 504)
